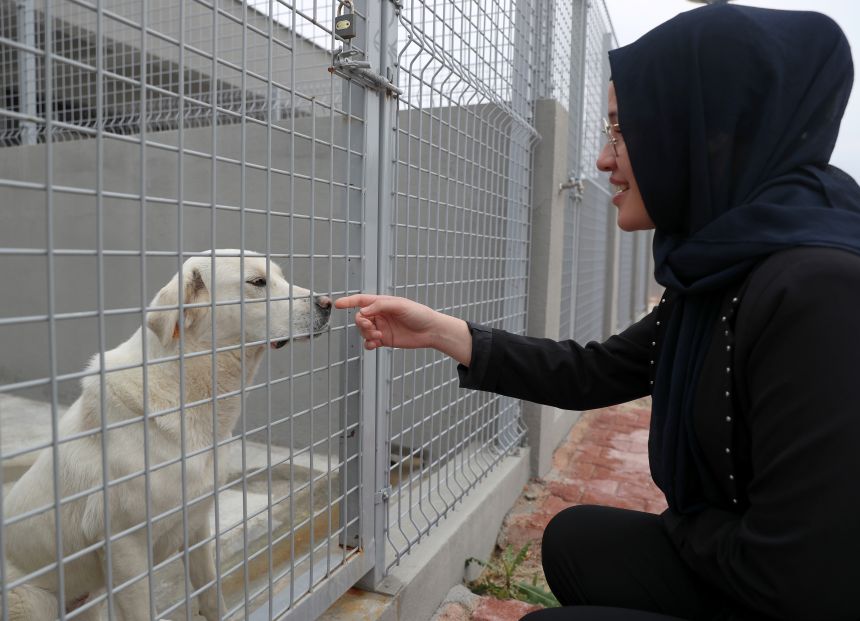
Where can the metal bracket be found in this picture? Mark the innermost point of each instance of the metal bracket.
(573, 184)
(344, 65)
(382, 495)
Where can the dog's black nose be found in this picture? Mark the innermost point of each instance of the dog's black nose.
(323, 302)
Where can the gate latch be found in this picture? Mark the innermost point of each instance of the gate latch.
(346, 65)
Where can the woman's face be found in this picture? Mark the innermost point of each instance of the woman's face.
(631, 208)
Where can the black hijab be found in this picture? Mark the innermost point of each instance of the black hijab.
(729, 114)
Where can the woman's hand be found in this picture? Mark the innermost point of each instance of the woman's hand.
(387, 321)
(391, 322)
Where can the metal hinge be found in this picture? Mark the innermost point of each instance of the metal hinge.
(382, 495)
(344, 65)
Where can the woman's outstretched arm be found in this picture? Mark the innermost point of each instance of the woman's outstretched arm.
(564, 374)
(388, 321)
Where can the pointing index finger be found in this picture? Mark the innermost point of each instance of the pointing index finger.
(355, 301)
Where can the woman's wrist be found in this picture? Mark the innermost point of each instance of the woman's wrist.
(451, 336)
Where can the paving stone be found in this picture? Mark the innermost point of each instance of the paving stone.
(627, 489)
(451, 612)
(607, 486)
(575, 470)
(459, 594)
(569, 490)
(490, 609)
(656, 505)
(611, 500)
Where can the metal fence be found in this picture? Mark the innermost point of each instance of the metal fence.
(459, 218)
(605, 270)
(137, 135)
(120, 177)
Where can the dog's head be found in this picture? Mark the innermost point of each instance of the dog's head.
(294, 312)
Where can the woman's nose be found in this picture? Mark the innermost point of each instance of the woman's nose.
(606, 159)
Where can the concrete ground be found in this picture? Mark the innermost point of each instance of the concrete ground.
(604, 460)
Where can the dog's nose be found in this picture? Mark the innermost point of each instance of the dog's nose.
(323, 301)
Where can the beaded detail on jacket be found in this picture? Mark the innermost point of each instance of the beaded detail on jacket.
(724, 465)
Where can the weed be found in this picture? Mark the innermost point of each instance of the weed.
(498, 579)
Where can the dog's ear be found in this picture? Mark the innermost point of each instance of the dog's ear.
(165, 323)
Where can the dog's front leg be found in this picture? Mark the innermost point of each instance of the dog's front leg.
(129, 560)
(202, 563)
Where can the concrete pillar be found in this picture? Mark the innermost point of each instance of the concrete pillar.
(27, 87)
(613, 236)
(610, 304)
(547, 426)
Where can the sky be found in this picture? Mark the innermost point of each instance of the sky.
(633, 18)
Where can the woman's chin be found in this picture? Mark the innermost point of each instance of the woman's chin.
(630, 225)
(632, 215)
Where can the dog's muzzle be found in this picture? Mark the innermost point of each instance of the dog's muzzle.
(322, 312)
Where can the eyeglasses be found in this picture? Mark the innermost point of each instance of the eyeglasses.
(609, 130)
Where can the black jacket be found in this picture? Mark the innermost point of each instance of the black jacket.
(777, 419)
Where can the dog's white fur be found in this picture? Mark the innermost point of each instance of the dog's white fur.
(30, 543)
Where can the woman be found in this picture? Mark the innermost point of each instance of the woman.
(728, 116)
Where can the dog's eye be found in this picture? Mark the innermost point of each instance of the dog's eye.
(258, 282)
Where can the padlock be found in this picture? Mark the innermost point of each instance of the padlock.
(344, 26)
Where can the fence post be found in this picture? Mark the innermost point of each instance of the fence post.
(353, 441)
(381, 46)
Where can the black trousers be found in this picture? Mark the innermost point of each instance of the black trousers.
(607, 564)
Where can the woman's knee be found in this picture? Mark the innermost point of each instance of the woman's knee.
(568, 546)
(585, 546)
(570, 530)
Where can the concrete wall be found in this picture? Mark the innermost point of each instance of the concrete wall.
(78, 23)
(296, 62)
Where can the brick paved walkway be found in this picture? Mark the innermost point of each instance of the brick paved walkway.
(604, 460)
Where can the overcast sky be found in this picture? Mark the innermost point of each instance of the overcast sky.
(633, 18)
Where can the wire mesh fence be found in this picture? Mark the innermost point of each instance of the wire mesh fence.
(186, 430)
(139, 134)
(460, 227)
(604, 271)
(242, 31)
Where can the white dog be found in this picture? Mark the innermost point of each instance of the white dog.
(30, 542)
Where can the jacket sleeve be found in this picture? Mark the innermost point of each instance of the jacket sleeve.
(792, 554)
(563, 374)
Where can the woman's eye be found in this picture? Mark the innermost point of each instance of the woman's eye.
(258, 282)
